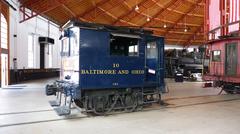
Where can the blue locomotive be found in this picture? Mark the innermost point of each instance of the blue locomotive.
(107, 68)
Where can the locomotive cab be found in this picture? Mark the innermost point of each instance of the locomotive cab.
(106, 68)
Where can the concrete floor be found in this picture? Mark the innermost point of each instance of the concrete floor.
(192, 110)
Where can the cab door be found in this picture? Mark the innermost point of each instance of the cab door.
(155, 61)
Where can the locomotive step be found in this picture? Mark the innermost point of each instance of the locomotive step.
(63, 110)
(54, 103)
(151, 93)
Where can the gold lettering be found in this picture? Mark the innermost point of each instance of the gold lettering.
(83, 71)
(123, 72)
(116, 65)
(99, 71)
(86, 72)
(137, 72)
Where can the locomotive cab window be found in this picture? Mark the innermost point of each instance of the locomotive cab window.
(124, 45)
(65, 47)
(216, 55)
(70, 42)
(74, 42)
(152, 52)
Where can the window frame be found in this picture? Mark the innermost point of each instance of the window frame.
(151, 47)
(74, 47)
(4, 31)
(126, 36)
(50, 56)
(214, 59)
(67, 52)
(32, 56)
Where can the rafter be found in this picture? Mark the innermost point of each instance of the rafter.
(182, 16)
(27, 3)
(192, 2)
(171, 22)
(182, 40)
(106, 11)
(171, 3)
(126, 4)
(50, 5)
(69, 10)
(92, 9)
(193, 35)
(159, 31)
(141, 13)
(129, 12)
(27, 15)
(177, 11)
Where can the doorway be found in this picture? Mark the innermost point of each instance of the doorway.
(231, 59)
(155, 60)
(4, 70)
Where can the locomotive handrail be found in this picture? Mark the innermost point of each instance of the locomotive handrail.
(225, 25)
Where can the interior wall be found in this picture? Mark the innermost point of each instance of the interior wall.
(37, 26)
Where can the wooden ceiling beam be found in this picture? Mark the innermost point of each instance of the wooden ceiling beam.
(175, 32)
(193, 35)
(27, 3)
(182, 16)
(177, 11)
(181, 43)
(138, 13)
(129, 12)
(171, 3)
(91, 9)
(112, 16)
(126, 5)
(106, 11)
(182, 40)
(172, 22)
(69, 10)
(43, 8)
(190, 1)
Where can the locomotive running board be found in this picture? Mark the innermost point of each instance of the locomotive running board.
(57, 102)
(54, 103)
(63, 110)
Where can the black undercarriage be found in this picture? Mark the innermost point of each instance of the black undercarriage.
(228, 87)
(105, 101)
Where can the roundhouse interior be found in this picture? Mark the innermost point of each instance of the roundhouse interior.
(140, 66)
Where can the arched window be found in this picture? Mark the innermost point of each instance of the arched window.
(4, 32)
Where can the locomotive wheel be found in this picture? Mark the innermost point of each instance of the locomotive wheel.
(130, 102)
(99, 104)
(79, 103)
(228, 91)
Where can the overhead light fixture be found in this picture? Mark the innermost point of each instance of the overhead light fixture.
(148, 19)
(136, 8)
(165, 26)
(185, 30)
(148, 16)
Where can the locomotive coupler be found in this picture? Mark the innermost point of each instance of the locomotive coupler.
(62, 89)
(54, 89)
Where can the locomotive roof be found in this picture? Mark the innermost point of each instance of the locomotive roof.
(104, 27)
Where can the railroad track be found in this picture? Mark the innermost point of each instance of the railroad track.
(81, 116)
